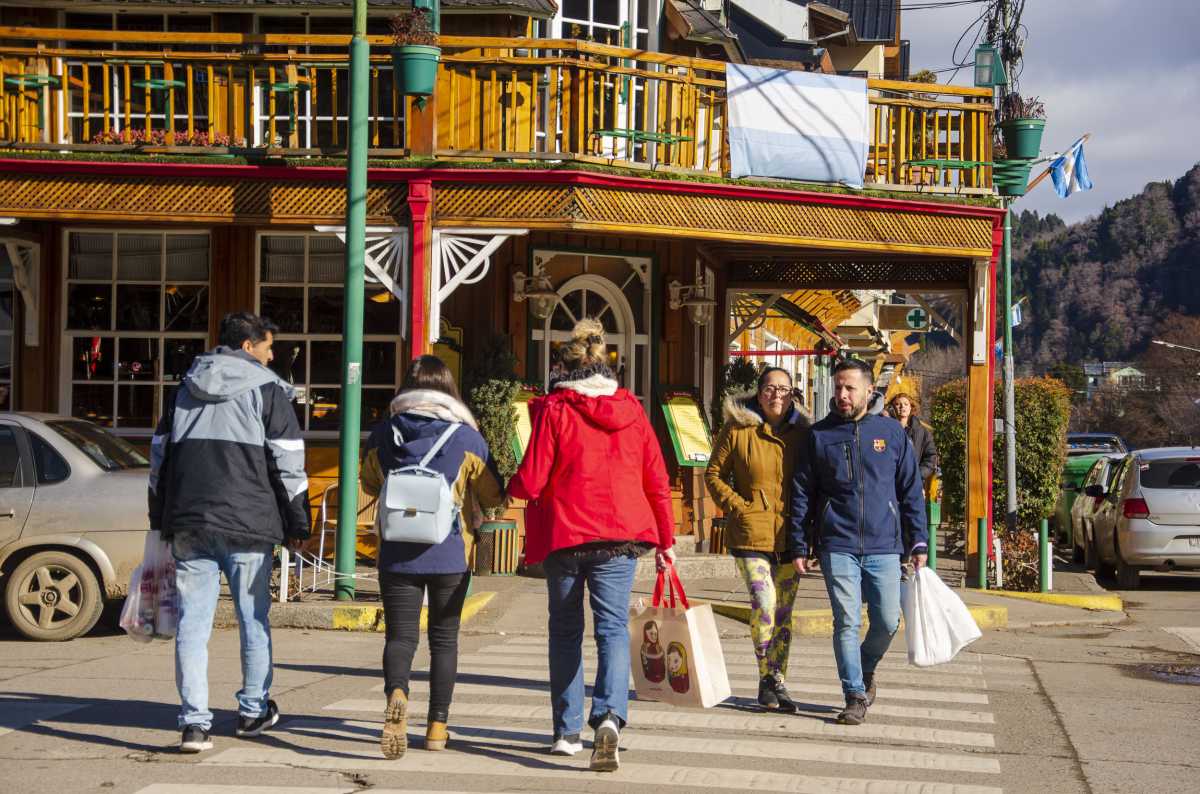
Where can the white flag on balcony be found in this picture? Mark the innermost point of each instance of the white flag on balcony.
(797, 125)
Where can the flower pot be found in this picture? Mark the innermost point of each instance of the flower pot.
(415, 67)
(1011, 177)
(1022, 137)
(497, 548)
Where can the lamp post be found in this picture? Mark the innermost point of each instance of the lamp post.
(352, 343)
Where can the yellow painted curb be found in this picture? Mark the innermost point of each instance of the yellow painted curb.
(819, 622)
(1105, 602)
(370, 618)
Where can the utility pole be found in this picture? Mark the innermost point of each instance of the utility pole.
(352, 344)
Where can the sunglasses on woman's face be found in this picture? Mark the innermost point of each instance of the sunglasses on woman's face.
(776, 391)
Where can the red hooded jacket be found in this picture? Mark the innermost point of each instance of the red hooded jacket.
(593, 472)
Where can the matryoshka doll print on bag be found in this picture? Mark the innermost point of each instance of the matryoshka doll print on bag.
(654, 665)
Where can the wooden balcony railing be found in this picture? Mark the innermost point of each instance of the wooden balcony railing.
(496, 99)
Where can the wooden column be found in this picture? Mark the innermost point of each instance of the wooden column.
(981, 366)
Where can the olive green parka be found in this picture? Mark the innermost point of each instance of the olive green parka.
(750, 473)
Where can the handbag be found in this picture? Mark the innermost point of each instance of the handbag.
(675, 650)
(937, 624)
(417, 505)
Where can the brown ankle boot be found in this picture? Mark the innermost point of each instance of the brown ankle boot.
(436, 736)
(394, 739)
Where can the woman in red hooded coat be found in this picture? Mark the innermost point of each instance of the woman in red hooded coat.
(598, 498)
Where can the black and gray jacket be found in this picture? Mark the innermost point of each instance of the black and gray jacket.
(227, 456)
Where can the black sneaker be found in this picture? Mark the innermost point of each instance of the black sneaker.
(256, 726)
(869, 681)
(766, 693)
(855, 712)
(194, 740)
(782, 696)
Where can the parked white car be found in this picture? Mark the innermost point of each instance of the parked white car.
(1091, 493)
(1150, 518)
(73, 521)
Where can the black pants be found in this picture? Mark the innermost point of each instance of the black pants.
(402, 595)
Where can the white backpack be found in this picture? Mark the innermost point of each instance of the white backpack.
(417, 505)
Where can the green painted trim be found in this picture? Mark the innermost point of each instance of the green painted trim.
(673, 431)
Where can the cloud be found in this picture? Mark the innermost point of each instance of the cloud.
(1127, 73)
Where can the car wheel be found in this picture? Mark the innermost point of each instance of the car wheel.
(53, 596)
(1128, 577)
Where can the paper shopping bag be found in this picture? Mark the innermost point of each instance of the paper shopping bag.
(675, 650)
(937, 624)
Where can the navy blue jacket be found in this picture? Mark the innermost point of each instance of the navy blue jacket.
(858, 487)
(420, 417)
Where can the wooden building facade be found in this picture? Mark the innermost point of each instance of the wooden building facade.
(121, 257)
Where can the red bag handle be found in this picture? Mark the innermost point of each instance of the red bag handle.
(672, 585)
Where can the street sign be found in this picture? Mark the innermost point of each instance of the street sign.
(903, 317)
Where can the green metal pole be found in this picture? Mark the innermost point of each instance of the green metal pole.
(1010, 421)
(983, 553)
(356, 242)
(934, 518)
(1044, 561)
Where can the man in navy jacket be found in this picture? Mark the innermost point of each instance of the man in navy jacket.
(857, 487)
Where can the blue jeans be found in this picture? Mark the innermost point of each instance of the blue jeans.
(609, 583)
(850, 580)
(199, 563)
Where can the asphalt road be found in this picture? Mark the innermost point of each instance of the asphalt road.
(1067, 709)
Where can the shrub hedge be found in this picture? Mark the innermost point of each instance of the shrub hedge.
(1043, 409)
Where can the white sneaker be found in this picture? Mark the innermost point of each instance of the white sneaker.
(604, 747)
(567, 745)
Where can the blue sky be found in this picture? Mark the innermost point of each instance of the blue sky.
(1127, 72)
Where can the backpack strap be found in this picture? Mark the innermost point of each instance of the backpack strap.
(437, 446)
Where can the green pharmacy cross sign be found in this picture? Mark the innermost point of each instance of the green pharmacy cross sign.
(916, 318)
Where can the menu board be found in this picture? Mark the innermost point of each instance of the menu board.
(688, 429)
(520, 440)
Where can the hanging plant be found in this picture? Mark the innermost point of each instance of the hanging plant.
(1022, 124)
(415, 52)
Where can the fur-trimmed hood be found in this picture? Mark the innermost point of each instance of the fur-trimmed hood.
(596, 385)
(433, 404)
(742, 410)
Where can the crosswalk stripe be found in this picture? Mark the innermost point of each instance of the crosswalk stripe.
(819, 647)
(914, 676)
(748, 685)
(641, 775)
(748, 659)
(521, 687)
(1189, 635)
(210, 788)
(722, 719)
(17, 712)
(790, 750)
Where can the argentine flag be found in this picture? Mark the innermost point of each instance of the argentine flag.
(1069, 171)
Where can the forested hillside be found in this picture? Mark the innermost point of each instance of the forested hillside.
(1103, 288)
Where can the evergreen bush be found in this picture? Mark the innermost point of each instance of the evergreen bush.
(1043, 410)
(737, 376)
(493, 385)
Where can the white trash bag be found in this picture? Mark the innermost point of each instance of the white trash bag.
(151, 608)
(937, 624)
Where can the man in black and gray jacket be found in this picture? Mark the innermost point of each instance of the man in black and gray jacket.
(227, 484)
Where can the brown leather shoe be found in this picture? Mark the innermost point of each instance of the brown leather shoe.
(436, 736)
(393, 741)
(855, 712)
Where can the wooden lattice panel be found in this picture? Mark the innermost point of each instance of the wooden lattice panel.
(865, 273)
(224, 199)
(725, 218)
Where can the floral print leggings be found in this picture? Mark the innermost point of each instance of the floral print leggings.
(772, 590)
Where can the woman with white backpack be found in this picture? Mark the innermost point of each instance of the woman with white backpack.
(427, 464)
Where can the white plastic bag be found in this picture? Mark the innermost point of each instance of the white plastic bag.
(937, 624)
(151, 608)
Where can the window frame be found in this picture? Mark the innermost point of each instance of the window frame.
(308, 338)
(10, 284)
(66, 363)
